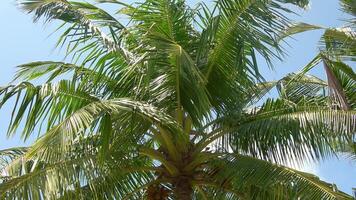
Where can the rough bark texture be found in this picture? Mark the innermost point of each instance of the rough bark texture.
(182, 189)
(157, 192)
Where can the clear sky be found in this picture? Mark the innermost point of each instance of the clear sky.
(22, 41)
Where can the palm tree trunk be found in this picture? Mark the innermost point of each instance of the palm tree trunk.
(182, 188)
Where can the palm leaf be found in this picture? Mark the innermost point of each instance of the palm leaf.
(298, 28)
(286, 133)
(42, 102)
(237, 171)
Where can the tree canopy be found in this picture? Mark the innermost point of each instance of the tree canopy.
(160, 100)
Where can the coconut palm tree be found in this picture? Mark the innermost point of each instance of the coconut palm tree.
(168, 104)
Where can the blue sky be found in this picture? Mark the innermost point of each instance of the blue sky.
(22, 41)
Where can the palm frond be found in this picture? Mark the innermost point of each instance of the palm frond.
(341, 81)
(244, 29)
(48, 102)
(92, 79)
(348, 6)
(237, 171)
(339, 43)
(284, 132)
(8, 155)
(170, 72)
(79, 172)
(54, 143)
(297, 87)
(297, 28)
(75, 178)
(87, 22)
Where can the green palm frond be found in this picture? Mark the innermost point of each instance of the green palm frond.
(184, 79)
(170, 19)
(172, 71)
(78, 172)
(298, 28)
(87, 24)
(337, 91)
(52, 70)
(349, 6)
(91, 79)
(237, 171)
(340, 43)
(236, 31)
(81, 178)
(215, 192)
(296, 88)
(84, 14)
(283, 132)
(49, 102)
(9, 155)
(55, 142)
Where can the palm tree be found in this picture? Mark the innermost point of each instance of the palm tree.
(168, 106)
